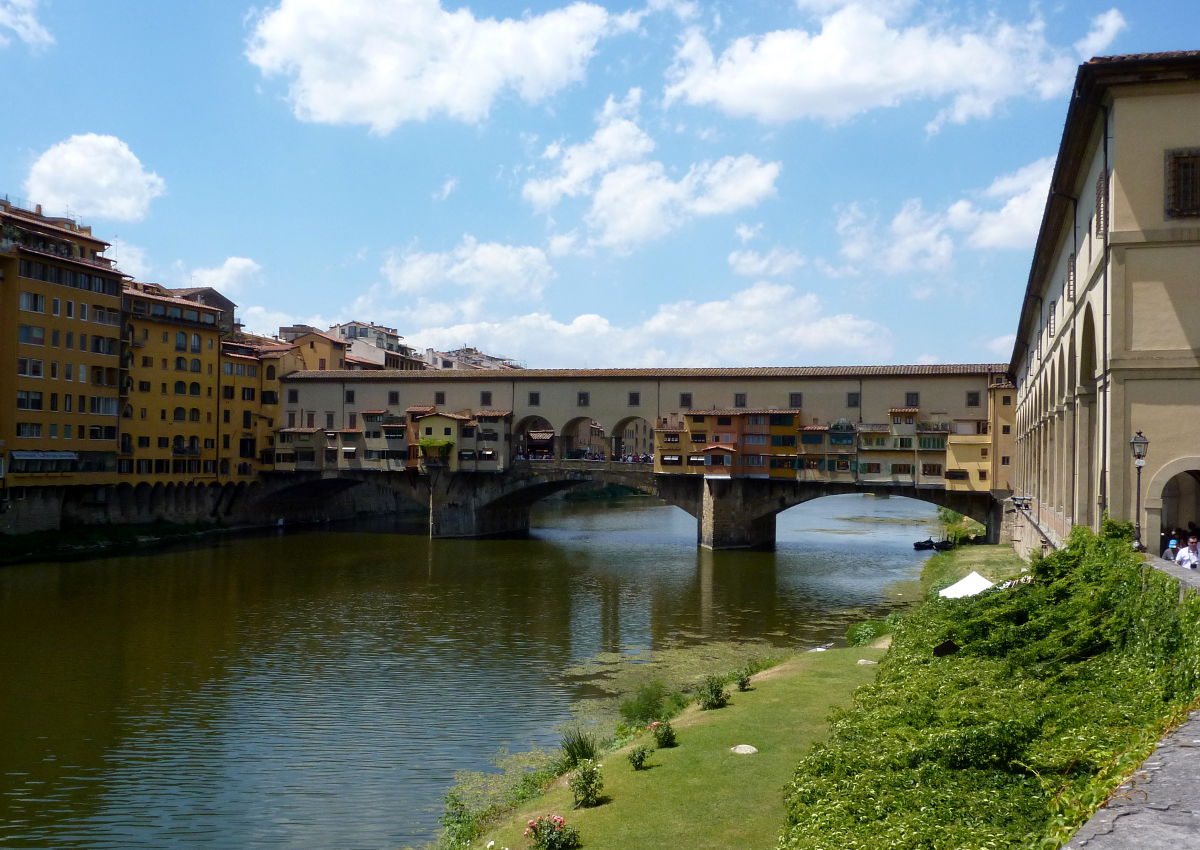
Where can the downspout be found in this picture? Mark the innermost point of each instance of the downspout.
(1105, 412)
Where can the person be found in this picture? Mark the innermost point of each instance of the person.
(1190, 556)
(1171, 551)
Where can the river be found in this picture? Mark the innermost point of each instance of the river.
(319, 688)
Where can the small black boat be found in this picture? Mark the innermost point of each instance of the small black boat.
(923, 545)
(944, 545)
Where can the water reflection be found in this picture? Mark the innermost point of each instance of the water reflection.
(321, 688)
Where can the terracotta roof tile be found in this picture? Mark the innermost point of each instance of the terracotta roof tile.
(666, 372)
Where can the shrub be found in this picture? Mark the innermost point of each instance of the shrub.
(664, 734)
(637, 757)
(652, 701)
(743, 679)
(867, 631)
(586, 784)
(712, 694)
(551, 832)
(577, 745)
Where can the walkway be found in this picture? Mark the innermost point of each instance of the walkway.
(1159, 807)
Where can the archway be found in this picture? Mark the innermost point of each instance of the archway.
(1086, 464)
(583, 436)
(534, 436)
(632, 435)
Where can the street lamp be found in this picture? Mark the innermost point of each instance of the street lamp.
(1138, 444)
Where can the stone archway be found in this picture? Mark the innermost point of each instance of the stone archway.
(1172, 500)
(534, 436)
(582, 436)
(632, 435)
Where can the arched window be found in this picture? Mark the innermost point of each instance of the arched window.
(195, 364)
(180, 415)
(194, 443)
(128, 411)
(180, 341)
(196, 343)
(177, 443)
(180, 388)
(194, 388)
(180, 364)
(270, 373)
(194, 414)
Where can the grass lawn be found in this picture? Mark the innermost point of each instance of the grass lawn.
(994, 562)
(700, 795)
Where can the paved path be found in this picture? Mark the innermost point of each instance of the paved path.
(1159, 807)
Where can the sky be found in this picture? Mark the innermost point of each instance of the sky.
(572, 184)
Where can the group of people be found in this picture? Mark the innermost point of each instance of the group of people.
(1185, 556)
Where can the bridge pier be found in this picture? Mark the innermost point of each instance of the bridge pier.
(466, 505)
(731, 516)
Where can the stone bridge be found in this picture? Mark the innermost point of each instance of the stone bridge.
(731, 513)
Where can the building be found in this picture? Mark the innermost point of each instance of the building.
(1108, 342)
(61, 370)
(467, 358)
(376, 346)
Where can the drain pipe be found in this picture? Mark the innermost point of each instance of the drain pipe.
(1106, 410)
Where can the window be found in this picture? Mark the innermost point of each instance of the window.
(193, 388)
(983, 475)
(247, 419)
(582, 399)
(956, 475)
(32, 302)
(393, 395)
(195, 364)
(695, 460)
(1004, 460)
(485, 398)
(724, 420)
(29, 400)
(1006, 400)
(901, 469)
(672, 460)
(1005, 429)
(635, 399)
(755, 439)
(699, 437)
(293, 396)
(31, 335)
(33, 429)
(795, 399)
(1183, 183)
(904, 442)
(973, 399)
(227, 392)
(535, 399)
(869, 468)
(912, 399)
(983, 452)
(670, 438)
(931, 469)
(782, 420)
(753, 460)
(439, 397)
(329, 419)
(83, 312)
(812, 439)
(179, 415)
(447, 431)
(783, 440)
(685, 401)
(699, 420)
(248, 394)
(739, 399)
(270, 397)
(935, 443)
(196, 346)
(180, 341)
(29, 367)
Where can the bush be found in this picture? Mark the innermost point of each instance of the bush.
(712, 694)
(1059, 687)
(637, 757)
(652, 701)
(867, 631)
(664, 734)
(577, 745)
(743, 679)
(586, 784)
(551, 832)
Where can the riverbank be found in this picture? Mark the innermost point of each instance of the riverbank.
(700, 794)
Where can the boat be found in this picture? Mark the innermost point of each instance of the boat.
(923, 545)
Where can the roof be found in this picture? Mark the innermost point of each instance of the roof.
(715, 447)
(539, 435)
(1092, 81)
(743, 372)
(371, 412)
(300, 430)
(491, 412)
(904, 410)
(739, 411)
(134, 292)
(416, 408)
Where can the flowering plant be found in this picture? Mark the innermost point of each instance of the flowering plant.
(550, 832)
(663, 732)
(586, 784)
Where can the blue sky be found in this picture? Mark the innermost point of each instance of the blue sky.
(571, 184)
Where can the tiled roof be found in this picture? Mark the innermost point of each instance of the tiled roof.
(665, 372)
(904, 410)
(416, 408)
(490, 412)
(738, 411)
(1146, 57)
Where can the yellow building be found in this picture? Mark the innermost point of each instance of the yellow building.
(60, 364)
(248, 410)
(171, 397)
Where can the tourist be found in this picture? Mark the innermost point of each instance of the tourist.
(1171, 551)
(1190, 556)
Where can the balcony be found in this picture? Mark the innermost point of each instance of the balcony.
(185, 451)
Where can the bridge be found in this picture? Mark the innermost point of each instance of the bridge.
(730, 513)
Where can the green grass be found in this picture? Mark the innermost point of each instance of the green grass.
(700, 795)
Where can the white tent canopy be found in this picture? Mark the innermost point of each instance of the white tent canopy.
(969, 586)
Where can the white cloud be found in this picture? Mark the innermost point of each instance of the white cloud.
(384, 62)
(927, 359)
(20, 18)
(231, 278)
(1105, 28)
(93, 175)
(489, 272)
(130, 259)
(862, 58)
(447, 187)
(774, 263)
(1006, 216)
(1001, 346)
(261, 320)
(748, 232)
(763, 324)
(617, 140)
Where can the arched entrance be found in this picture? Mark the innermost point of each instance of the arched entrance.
(581, 437)
(632, 435)
(1172, 502)
(534, 437)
